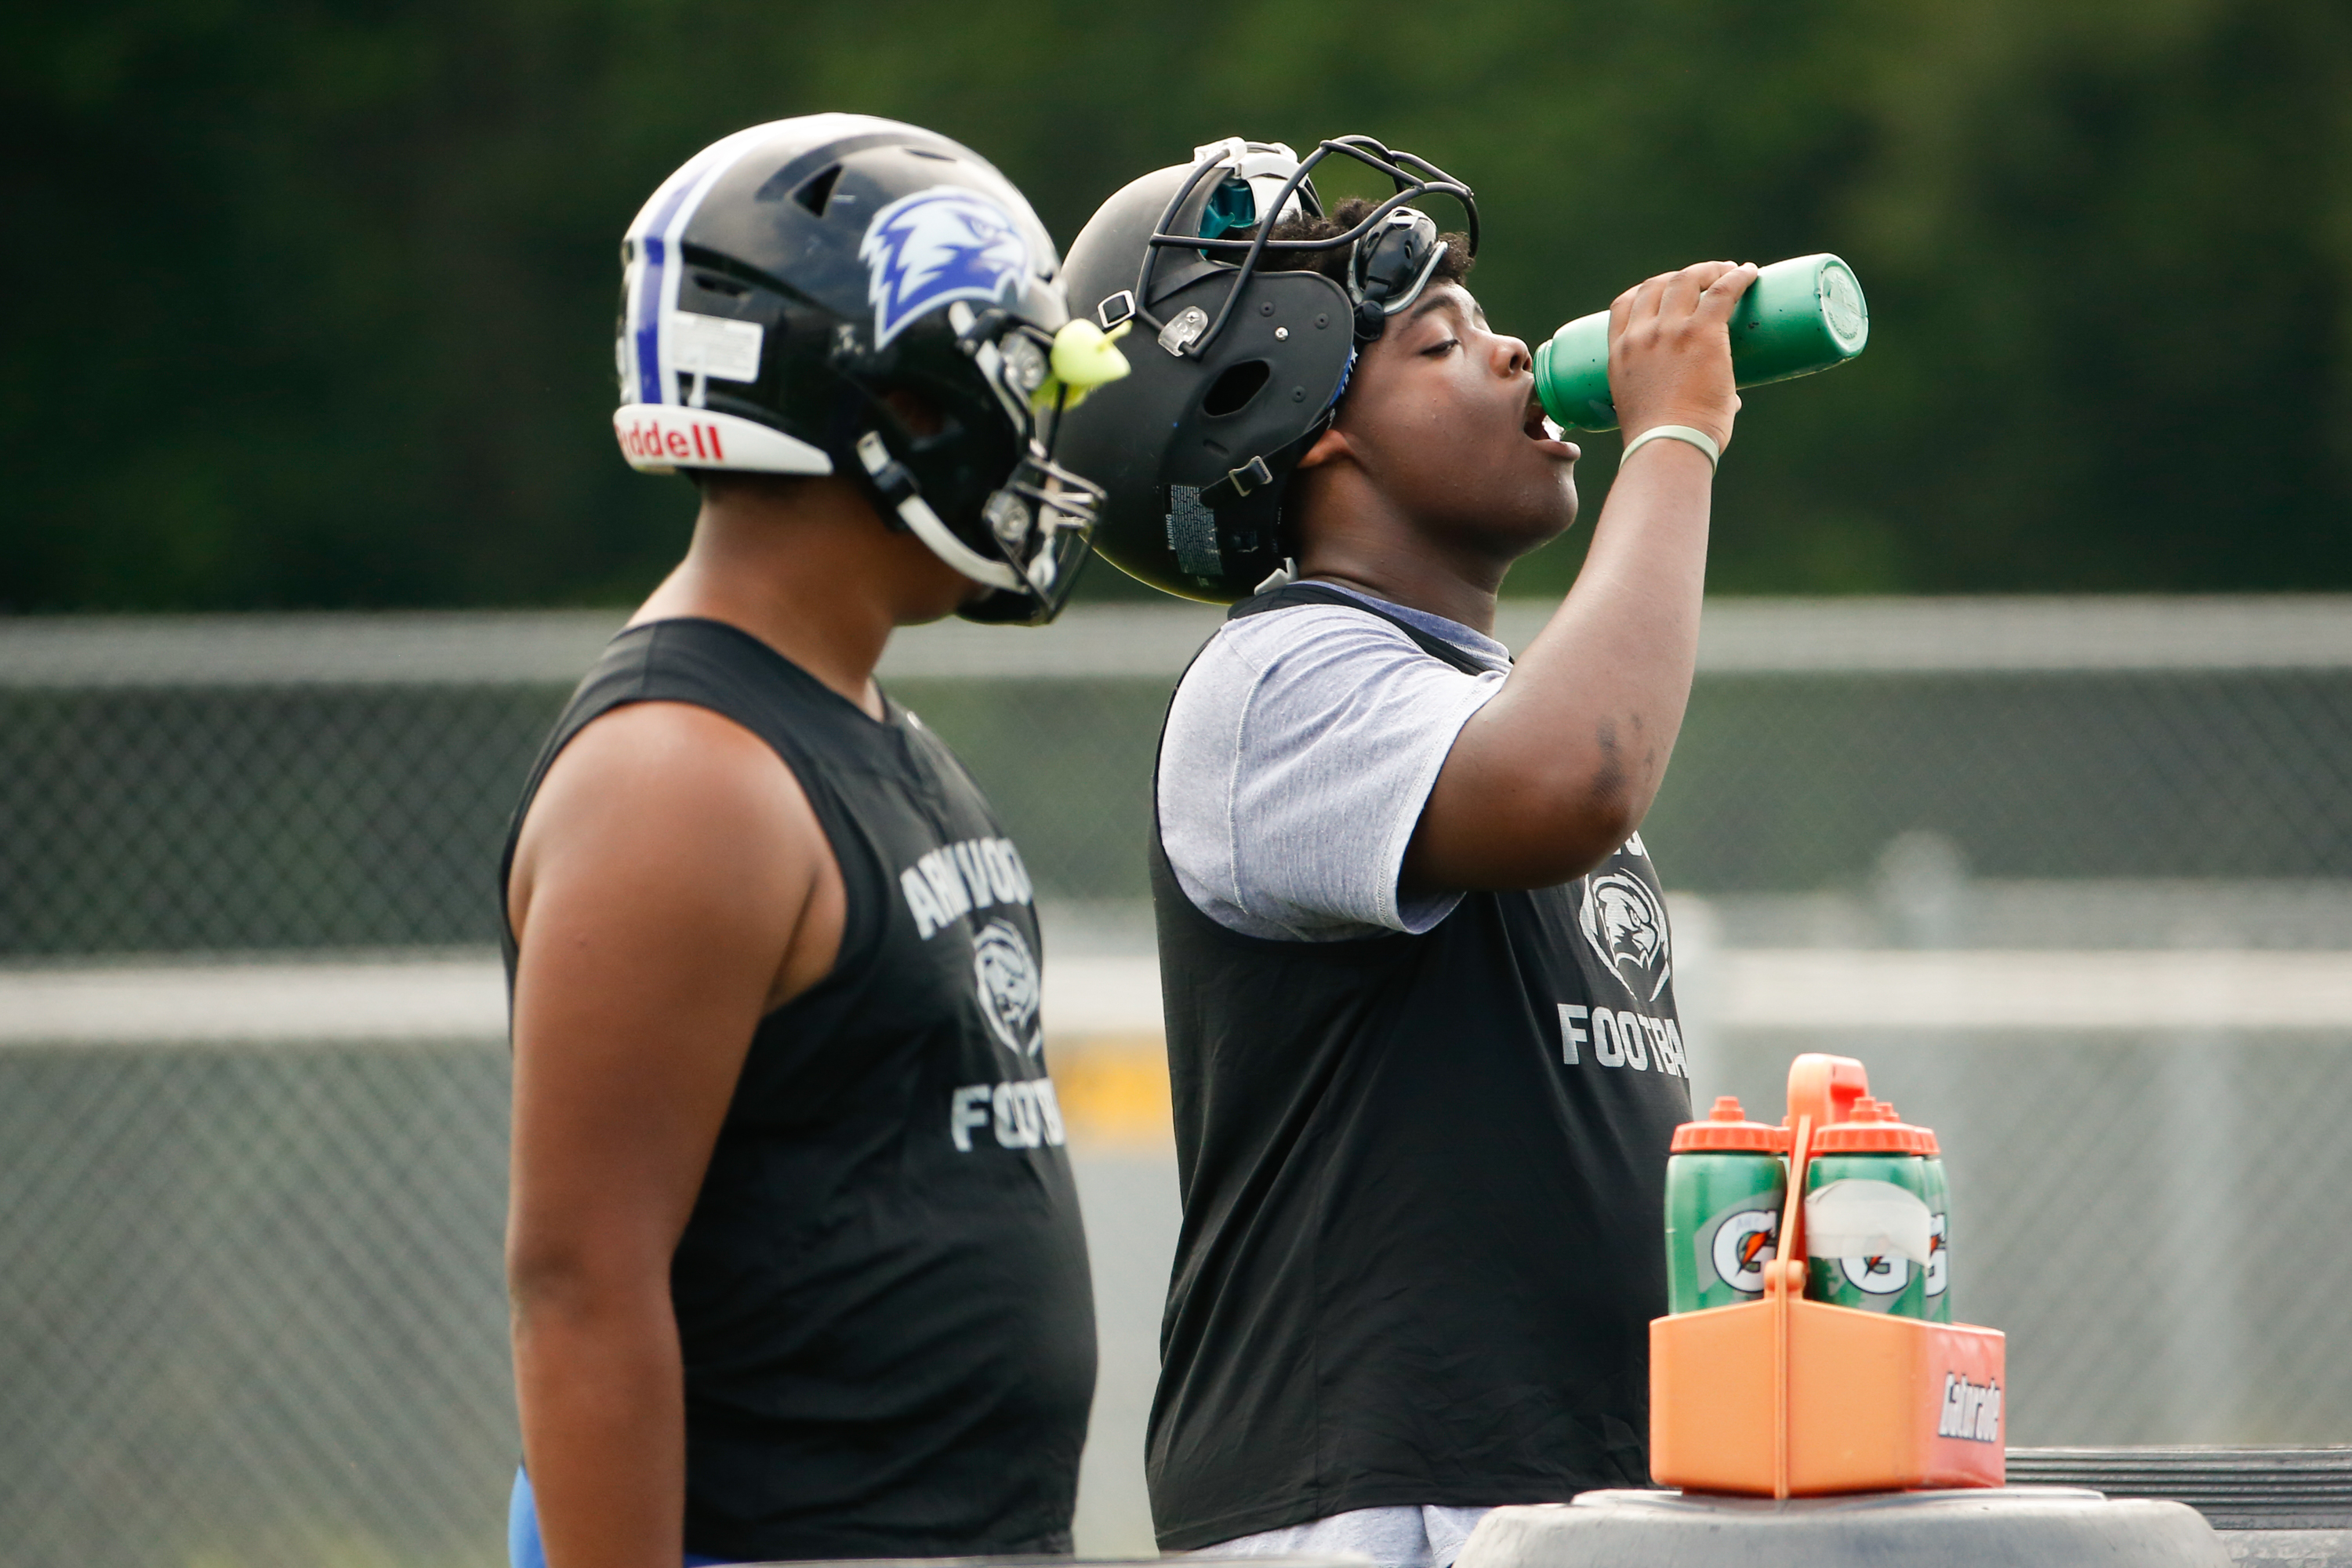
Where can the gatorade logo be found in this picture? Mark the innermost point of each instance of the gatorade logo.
(1939, 1275)
(1744, 1242)
(1971, 1410)
(1881, 1276)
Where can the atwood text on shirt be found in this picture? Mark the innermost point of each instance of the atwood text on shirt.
(948, 883)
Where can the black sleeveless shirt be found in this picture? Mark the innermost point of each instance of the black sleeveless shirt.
(882, 1293)
(1423, 1184)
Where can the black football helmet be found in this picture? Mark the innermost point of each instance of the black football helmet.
(779, 286)
(1243, 368)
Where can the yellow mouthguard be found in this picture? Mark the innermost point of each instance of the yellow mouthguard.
(1085, 357)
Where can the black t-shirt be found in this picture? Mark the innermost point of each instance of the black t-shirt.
(1424, 1180)
(882, 1292)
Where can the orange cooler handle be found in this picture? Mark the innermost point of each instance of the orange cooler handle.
(1822, 1091)
(1824, 1088)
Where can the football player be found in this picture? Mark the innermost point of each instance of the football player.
(1418, 980)
(794, 1257)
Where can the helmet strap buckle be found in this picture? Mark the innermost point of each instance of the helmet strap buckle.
(890, 475)
(1251, 475)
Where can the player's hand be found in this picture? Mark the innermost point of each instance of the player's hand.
(1670, 350)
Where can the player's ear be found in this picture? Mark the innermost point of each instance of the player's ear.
(918, 414)
(1329, 447)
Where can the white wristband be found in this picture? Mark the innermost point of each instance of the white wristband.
(1700, 439)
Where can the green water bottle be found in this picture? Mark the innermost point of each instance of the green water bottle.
(1938, 1197)
(1940, 1230)
(1800, 315)
(1726, 1185)
(1868, 1229)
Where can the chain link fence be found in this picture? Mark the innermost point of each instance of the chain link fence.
(252, 1311)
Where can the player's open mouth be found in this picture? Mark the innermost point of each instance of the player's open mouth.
(1536, 427)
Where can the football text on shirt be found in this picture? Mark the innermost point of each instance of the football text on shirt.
(948, 883)
(1024, 1111)
(1621, 1037)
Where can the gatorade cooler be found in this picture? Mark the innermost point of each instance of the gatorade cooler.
(1787, 1397)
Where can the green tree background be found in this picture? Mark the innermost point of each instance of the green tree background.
(311, 305)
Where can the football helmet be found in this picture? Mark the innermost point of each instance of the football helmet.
(1242, 367)
(787, 281)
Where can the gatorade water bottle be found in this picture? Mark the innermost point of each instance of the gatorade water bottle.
(1939, 1203)
(1940, 1230)
(1800, 316)
(1726, 1185)
(1868, 1231)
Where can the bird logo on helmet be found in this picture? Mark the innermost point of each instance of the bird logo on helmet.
(785, 281)
(936, 245)
(1239, 360)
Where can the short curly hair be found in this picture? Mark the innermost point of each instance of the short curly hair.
(1452, 268)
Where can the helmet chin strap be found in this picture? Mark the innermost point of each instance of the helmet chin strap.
(897, 487)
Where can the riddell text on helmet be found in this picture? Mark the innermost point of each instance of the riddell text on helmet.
(646, 441)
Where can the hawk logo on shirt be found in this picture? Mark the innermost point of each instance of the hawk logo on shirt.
(1009, 986)
(942, 244)
(1626, 925)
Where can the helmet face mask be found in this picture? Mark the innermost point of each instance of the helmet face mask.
(784, 285)
(1237, 369)
(1391, 267)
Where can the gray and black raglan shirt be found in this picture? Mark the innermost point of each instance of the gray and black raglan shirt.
(1421, 1140)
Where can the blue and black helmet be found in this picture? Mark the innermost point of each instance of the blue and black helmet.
(788, 280)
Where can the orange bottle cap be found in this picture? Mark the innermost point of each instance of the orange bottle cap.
(1926, 1135)
(1874, 1130)
(1727, 1128)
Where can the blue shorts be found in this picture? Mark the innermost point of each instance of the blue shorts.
(523, 1547)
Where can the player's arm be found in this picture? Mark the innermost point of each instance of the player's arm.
(671, 886)
(1556, 771)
